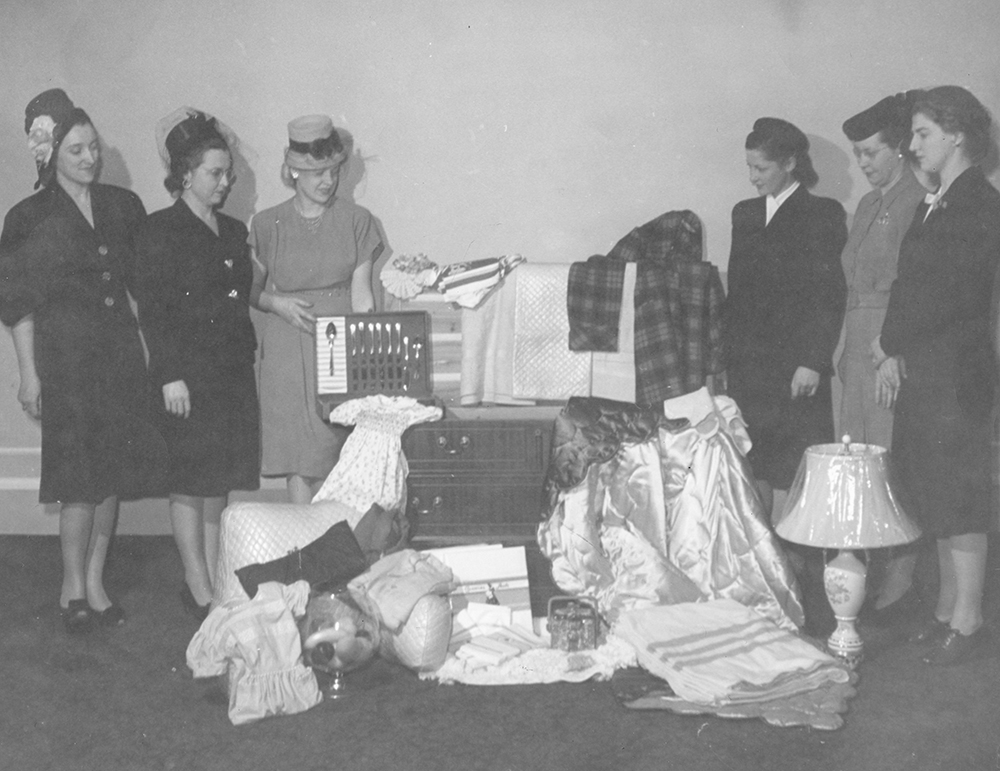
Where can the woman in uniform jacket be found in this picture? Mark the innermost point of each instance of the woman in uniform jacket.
(880, 137)
(940, 361)
(784, 305)
(66, 258)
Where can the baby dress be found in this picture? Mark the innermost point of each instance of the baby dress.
(259, 645)
(372, 468)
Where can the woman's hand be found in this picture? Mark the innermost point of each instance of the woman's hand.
(805, 381)
(176, 398)
(292, 310)
(878, 355)
(888, 380)
(30, 395)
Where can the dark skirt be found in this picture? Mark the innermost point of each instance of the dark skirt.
(99, 431)
(941, 449)
(216, 449)
(780, 427)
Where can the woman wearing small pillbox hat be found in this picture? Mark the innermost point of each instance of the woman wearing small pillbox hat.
(313, 256)
(66, 255)
(880, 136)
(194, 277)
(784, 305)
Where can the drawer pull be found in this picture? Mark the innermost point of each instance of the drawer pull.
(464, 443)
(436, 502)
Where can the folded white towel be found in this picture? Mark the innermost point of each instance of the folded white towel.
(721, 652)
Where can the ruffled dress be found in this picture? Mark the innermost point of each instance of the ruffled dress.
(258, 644)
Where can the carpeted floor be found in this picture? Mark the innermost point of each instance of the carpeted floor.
(124, 699)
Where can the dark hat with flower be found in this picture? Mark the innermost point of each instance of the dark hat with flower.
(44, 116)
(186, 128)
(313, 144)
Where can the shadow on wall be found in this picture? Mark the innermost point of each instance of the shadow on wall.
(352, 174)
(113, 168)
(833, 166)
(241, 203)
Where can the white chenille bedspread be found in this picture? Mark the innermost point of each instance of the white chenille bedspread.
(544, 367)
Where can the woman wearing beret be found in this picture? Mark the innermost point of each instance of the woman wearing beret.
(66, 263)
(941, 363)
(784, 305)
(194, 277)
(313, 256)
(880, 136)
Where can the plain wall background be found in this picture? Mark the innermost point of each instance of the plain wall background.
(481, 127)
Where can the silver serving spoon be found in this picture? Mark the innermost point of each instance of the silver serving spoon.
(331, 335)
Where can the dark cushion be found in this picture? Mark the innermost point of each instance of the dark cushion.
(334, 557)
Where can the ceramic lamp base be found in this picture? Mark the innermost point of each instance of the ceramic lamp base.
(844, 580)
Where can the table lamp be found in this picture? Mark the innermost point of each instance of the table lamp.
(841, 499)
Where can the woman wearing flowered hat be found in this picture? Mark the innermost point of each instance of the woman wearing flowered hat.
(194, 275)
(313, 256)
(66, 256)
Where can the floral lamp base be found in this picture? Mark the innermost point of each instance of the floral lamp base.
(844, 580)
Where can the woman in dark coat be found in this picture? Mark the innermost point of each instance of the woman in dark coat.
(784, 305)
(936, 335)
(67, 259)
(194, 276)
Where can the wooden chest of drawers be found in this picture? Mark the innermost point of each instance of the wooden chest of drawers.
(477, 480)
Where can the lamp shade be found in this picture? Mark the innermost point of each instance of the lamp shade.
(841, 499)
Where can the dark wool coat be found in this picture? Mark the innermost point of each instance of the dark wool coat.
(783, 310)
(193, 293)
(938, 320)
(98, 433)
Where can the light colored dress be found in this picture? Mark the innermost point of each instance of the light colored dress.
(313, 259)
(258, 644)
(372, 468)
(869, 261)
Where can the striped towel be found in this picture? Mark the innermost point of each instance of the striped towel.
(721, 652)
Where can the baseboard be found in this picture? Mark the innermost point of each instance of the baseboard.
(22, 514)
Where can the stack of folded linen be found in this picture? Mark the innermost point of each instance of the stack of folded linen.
(721, 652)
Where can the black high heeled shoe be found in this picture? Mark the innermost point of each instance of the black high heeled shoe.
(77, 618)
(957, 648)
(930, 630)
(113, 615)
(198, 612)
(906, 607)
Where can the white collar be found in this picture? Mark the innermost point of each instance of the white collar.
(773, 202)
(932, 200)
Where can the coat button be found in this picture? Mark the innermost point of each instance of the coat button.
(106, 275)
(109, 301)
(102, 250)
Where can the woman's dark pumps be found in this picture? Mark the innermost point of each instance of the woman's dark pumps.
(929, 631)
(199, 612)
(113, 615)
(957, 648)
(77, 617)
(906, 607)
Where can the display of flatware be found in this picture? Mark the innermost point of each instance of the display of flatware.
(373, 353)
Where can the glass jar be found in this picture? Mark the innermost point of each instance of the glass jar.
(573, 623)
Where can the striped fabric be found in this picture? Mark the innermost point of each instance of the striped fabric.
(722, 652)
